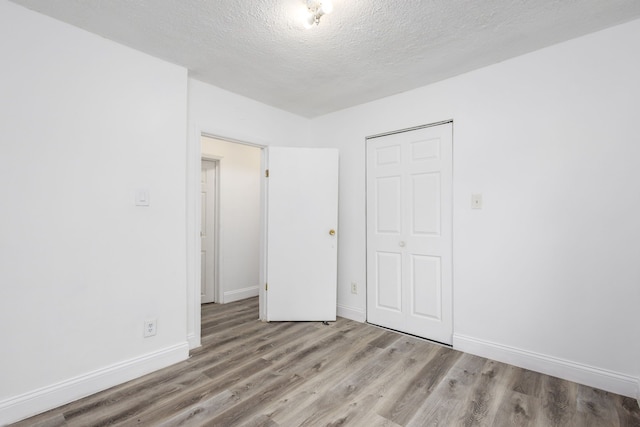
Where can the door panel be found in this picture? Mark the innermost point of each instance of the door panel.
(207, 232)
(302, 209)
(389, 280)
(388, 218)
(425, 203)
(425, 282)
(409, 237)
(425, 149)
(389, 155)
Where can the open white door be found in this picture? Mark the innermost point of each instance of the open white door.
(301, 233)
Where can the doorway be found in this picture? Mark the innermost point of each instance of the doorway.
(237, 258)
(233, 171)
(409, 231)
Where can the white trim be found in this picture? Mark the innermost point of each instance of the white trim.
(34, 402)
(215, 135)
(194, 160)
(239, 294)
(262, 280)
(353, 313)
(573, 371)
(395, 132)
(193, 341)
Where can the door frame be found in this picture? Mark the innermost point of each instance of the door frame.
(217, 292)
(379, 135)
(193, 218)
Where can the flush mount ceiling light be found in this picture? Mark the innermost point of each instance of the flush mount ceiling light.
(316, 8)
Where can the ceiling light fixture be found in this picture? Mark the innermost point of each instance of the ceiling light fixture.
(316, 8)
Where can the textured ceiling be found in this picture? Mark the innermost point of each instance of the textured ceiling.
(364, 50)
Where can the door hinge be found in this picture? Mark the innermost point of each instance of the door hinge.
(266, 286)
(266, 173)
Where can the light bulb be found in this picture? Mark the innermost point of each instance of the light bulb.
(309, 20)
(326, 7)
(305, 17)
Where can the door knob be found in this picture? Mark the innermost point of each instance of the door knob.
(401, 244)
(332, 232)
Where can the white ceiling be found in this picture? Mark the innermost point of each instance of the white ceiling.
(364, 50)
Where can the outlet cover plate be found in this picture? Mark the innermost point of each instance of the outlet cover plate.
(150, 327)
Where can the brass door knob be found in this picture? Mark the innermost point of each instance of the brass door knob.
(332, 232)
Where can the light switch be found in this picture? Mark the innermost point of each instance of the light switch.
(476, 201)
(142, 197)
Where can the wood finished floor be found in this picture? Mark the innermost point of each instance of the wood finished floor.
(249, 373)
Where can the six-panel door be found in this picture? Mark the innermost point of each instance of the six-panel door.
(409, 237)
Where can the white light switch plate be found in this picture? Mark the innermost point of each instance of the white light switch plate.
(142, 197)
(476, 201)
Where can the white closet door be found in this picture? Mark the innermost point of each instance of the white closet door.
(409, 232)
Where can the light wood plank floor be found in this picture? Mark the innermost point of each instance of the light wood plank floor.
(249, 373)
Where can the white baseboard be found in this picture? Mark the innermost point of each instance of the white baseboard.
(353, 313)
(34, 402)
(583, 374)
(239, 294)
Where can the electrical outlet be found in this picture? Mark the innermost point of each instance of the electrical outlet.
(150, 327)
(354, 288)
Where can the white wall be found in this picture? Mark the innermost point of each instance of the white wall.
(222, 113)
(239, 217)
(546, 274)
(216, 112)
(84, 123)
